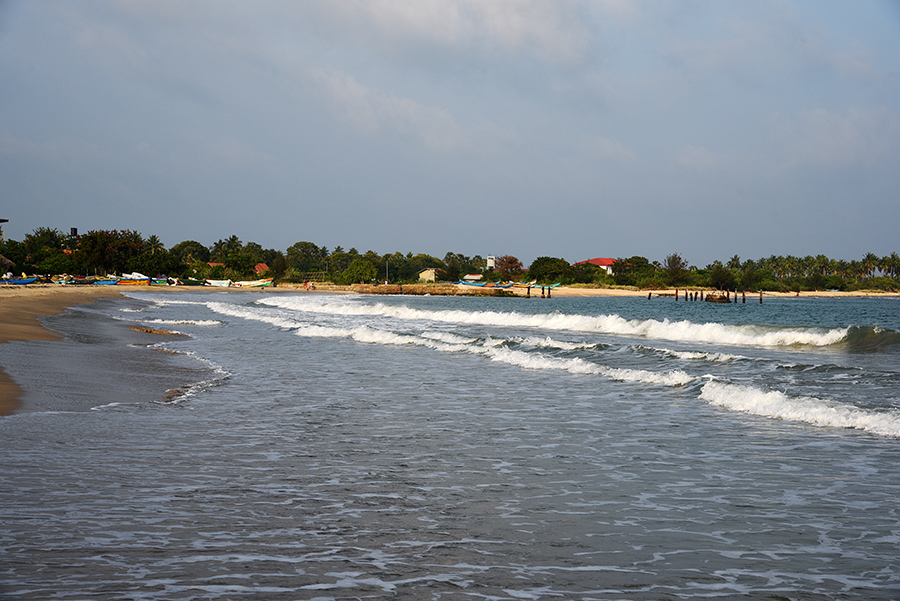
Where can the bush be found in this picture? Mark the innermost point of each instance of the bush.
(359, 271)
(550, 270)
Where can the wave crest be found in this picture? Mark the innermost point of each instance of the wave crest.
(810, 410)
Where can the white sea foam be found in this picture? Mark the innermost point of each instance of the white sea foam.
(547, 342)
(810, 410)
(271, 318)
(695, 355)
(106, 406)
(184, 322)
(492, 348)
(713, 333)
(449, 337)
(580, 366)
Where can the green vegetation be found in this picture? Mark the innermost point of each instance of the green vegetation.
(50, 252)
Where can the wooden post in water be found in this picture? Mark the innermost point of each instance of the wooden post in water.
(760, 297)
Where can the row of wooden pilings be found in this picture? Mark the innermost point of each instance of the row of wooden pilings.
(528, 291)
(713, 297)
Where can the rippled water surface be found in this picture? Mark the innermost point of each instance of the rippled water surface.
(331, 447)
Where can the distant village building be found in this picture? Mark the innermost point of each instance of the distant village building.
(491, 262)
(604, 264)
(260, 268)
(430, 274)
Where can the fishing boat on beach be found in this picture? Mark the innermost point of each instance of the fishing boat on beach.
(134, 279)
(219, 283)
(264, 283)
(19, 281)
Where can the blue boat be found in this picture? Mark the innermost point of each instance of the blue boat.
(19, 281)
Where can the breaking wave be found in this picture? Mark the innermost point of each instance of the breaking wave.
(184, 322)
(806, 409)
(494, 349)
(665, 329)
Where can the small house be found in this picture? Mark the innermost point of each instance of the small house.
(604, 264)
(430, 274)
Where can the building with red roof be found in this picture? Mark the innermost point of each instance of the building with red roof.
(604, 264)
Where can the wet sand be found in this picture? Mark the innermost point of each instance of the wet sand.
(20, 308)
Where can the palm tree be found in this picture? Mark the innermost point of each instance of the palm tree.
(807, 265)
(224, 248)
(153, 244)
(893, 262)
(734, 262)
(870, 262)
(842, 268)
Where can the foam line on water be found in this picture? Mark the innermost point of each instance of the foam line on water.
(692, 355)
(184, 322)
(492, 348)
(818, 412)
(713, 333)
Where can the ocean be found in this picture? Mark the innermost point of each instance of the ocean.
(318, 446)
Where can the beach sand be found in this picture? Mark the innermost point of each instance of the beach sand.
(20, 308)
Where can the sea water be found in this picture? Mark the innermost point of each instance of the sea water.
(318, 446)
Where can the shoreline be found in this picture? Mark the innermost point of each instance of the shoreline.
(20, 310)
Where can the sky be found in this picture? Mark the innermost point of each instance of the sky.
(573, 129)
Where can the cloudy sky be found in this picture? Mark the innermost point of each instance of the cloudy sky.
(571, 129)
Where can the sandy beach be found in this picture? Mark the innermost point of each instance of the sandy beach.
(20, 308)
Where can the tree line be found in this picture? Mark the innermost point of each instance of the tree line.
(101, 252)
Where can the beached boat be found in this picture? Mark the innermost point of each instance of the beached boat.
(134, 279)
(19, 281)
(106, 282)
(264, 283)
(219, 283)
(190, 282)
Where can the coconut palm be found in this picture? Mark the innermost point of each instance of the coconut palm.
(893, 263)
(870, 263)
(153, 245)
